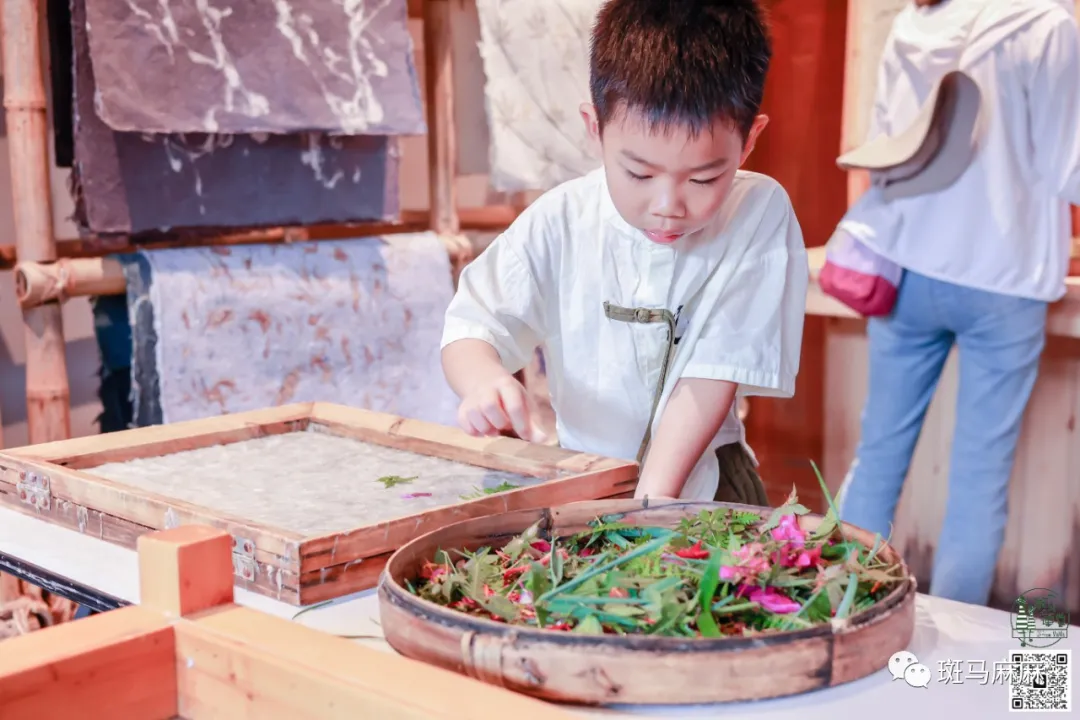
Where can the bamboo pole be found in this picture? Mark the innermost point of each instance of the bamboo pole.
(442, 142)
(47, 395)
(41, 283)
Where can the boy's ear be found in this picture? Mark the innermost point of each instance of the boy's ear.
(592, 124)
(751, 138)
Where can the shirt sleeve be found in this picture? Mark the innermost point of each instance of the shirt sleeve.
(1054, 104)
(498, 298)
(753, 336)
(878, 123)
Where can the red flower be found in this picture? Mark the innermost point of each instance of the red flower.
(431, 570)
(694, 552)
(510, 573)
(541, 545)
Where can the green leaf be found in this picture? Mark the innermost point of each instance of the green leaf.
(709, 582)
(828, 496)
(648, 547)
(790, 509)
(589, 625)
(390, 481)
(555, 564)
(849, 597)
(828, 524)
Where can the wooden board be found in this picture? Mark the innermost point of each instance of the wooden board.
(188, 652)
(319, 528)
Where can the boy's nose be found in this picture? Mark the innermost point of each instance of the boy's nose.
(668, 205)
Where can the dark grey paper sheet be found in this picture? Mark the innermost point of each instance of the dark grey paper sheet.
(133, 182)
(244, 66)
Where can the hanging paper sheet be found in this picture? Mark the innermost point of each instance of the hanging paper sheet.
(243, 66)
(133, 182)
(356, 322)
(536, 63)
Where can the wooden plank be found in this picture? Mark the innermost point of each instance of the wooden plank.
(387, 536)
(185, 570)
(122, 661)
(450, 443)
(327, 583)
(142, 507)
(88, 451)
(235, 662)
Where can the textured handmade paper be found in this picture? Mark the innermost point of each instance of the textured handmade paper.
(355, 322)
(536, 66)
(243, 66)
(131, 182)
(309, 482)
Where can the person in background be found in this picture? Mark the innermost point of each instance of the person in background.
(981, 261)
(659, 285)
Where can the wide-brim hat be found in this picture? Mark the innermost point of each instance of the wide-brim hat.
(931, 153)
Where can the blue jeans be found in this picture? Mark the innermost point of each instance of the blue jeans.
(1000, 340)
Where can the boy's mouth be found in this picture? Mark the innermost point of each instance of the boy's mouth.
(662, 237)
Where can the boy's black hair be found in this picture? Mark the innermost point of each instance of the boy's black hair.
(680, 62)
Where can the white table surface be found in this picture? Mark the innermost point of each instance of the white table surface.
(945, 630)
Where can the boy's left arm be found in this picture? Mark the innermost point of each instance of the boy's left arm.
(694, 413)
(753, 339)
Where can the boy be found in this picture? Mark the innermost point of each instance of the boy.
(659, 285)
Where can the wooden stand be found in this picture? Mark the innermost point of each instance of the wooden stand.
(188, 652)
(43, 285)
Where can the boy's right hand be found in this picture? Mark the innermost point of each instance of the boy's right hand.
(500, 404)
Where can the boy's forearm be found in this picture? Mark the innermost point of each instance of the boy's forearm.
(694, 413)
(468, 362)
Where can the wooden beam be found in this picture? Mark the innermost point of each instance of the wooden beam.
(116, 664)
(48, 409)
(442, 137)
(186, 569)
(38, 283)
(236, 662)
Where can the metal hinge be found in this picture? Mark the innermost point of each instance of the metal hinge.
(243, 558)
(33, 489)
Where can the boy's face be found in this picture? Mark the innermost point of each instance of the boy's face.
(665, 182)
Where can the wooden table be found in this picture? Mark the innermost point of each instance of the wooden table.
(946, 631)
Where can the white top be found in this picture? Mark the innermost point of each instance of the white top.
(543, 283)
(1004, 226)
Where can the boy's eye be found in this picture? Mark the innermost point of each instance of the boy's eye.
(709, 181)
(635, 176)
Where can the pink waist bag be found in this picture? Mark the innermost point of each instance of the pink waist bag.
(853, 273)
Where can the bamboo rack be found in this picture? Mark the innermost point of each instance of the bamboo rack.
(48, 270)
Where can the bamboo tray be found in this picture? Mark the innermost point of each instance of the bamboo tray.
(586, 669)
(321, 529)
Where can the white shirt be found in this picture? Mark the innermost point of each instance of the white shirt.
(1004, 225)
(544, 281)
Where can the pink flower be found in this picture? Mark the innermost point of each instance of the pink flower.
(752, 561)
(772, 600)
(789, 530)
(794, 557)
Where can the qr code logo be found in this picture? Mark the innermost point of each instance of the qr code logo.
(1040, 680)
